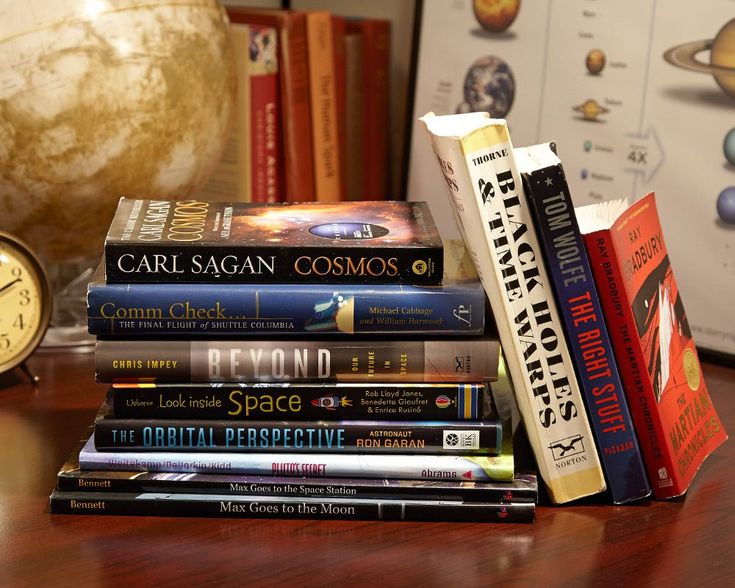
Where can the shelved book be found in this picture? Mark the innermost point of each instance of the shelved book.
(309, 360)
(456, 307)
(246, 401)
(677, 424)
(239, 242)
(475, 155)
(547, 192)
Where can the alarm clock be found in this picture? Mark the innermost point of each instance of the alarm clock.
(25, 302)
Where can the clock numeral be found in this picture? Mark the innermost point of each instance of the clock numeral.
(25, 297)
(4, 341)
(16, 271)
(18, 322)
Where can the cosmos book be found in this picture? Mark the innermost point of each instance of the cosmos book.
(676, 423)
(344, 242)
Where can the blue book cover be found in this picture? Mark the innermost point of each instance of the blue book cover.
(457, 307)
(548, 195)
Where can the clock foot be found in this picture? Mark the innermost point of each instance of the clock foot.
(27, 371)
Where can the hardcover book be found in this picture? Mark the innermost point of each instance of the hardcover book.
(677, 424)
(298, 173)
(326, 360)
(345, 242)
(457, 307)
(522, 488)
(475, 155)
(366, 400)
(548, 195)
(285, 507)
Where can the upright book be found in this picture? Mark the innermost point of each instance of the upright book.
(314, 360)
(476, 158)
(547, 191)
(240, 242)
(298, 171)
(674, 417)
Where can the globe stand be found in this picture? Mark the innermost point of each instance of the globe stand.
(68, 327)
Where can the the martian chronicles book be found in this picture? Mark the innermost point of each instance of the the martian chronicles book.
(344, 242)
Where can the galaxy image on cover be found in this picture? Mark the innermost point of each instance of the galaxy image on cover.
(663, 328)
(386, 224)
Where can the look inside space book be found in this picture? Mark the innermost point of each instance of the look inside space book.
(344, 242)
(675, 420)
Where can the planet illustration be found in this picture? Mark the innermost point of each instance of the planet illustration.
(595, 61)
(588, 145)
(496, 15)
(104, 99)
(721, 57)
(726, 205)
(591, 109)
(489, 86)
(584, 174)
(728, 146)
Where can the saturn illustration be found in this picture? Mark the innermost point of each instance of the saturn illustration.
(721, 57)
(590, 110)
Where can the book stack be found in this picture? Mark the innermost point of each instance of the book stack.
(312, 111)
(293, 361)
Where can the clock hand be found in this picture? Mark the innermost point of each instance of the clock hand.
(8, 285)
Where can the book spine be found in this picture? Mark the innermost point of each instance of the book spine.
(323, 94)
(340, 83)
(320, 465)
(631, 362)
(294, 96)
(134, 263)
(264, 136)
(576, 295)
(520, 489)
(450, 360)
(277, 309)
(438, 437)
(485, 186)
(305, 402)
(261, 507)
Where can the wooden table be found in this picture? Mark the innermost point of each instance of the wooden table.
(679, 543)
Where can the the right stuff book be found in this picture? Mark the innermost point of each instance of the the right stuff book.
(674, 417)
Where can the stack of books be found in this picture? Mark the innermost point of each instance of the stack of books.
(293, 361)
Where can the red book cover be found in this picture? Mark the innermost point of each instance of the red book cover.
(375, 35)
(264, 114)
(298, 171)
(340, 67)
(675, 420)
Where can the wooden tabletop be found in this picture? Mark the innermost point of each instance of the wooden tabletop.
(684, 542)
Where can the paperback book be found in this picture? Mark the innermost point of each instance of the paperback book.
(327, 360)
(547, 191)
(475, 155)
(279, 507)
(345, 242)
(457, 307)
(677, 424)
(232, 401)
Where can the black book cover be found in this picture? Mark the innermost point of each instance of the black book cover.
(343, 242)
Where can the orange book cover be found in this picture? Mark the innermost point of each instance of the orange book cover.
(675, 420)
(375, 47)
(297, 171)
(325, 135)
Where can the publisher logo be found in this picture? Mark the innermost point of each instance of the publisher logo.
(419, 267)
(691, 369)
(567, 447)
(463, 314)
(463, 440)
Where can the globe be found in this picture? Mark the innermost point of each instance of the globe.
(105, 98)
(489, 86)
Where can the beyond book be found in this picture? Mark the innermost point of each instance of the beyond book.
(345, 242)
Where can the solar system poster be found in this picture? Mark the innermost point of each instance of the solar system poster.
(639, 96)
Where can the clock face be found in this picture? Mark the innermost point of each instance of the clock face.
(24, 303)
